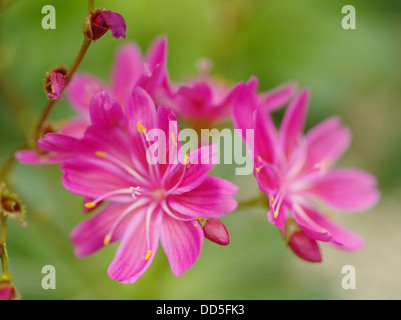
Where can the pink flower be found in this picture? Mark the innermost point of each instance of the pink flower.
(145, 203)
(129, 67)
(294, 171)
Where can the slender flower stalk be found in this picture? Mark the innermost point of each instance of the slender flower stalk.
(5, 276)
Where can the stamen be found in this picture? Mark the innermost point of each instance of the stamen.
(124, 166)
(325, 164)
(141, 128)
(168, 211)
(174, 139)
(135, 192)
(148, 255)
(107, 240)
(101, 154)
(136, 205)
(186, 159)
(91, 205)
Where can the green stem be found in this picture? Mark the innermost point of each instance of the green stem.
(91, 5)
(51, 103)
(5, 276)
(261, 201)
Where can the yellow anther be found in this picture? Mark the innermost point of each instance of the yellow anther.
(324, 231)
(90, 205)
(275, 214)
(260, 159)
(107, 240)
(141, 128)
(174, 138)
(186, 159)
(258, 170)
(148, 255)
(195, 225)
(101, 154)
(272, 199)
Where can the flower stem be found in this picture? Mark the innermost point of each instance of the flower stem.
(5, 276)
(51, 103)
(261, 201)
(91, 5)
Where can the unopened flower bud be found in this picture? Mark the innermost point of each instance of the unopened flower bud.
(216, 232)
(11, 206)
(8, 291)
(303, 246)
(100, 21)
(54, 82)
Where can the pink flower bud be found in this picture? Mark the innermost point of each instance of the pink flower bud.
(8, 291)
(54, 82)
(99, 22)
(305, 247)
(216, 232)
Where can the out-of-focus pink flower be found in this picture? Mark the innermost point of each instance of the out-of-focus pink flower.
(145, 202)
(8, 291)
(129, 67)
(294, 171)
(100, 21)
(203, 101)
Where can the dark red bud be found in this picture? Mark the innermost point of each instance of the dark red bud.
(305, 247)
(99, 22)
(216, 232)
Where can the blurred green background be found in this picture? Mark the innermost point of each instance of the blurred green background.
(352, 73)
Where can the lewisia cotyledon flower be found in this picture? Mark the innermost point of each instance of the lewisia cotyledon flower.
(295, 172)
(145, 203)
(129, 67)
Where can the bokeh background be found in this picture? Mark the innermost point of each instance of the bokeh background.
(352, 73)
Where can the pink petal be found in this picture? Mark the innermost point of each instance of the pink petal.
(105, 111)
(244, 106)
(94, 178)
(141, 109)
(214, 198)
(342, 238)
(265, 138)
(157, 54)
(89, 235)
(191, 175)
(58, 143)
(347, 189)
(132, 258)
(33, 158)
(281, 218)
(182, 242)
(115, 22)
(127, 69)
(81, 90)
(267, 176)
(75, 127)
(327, 142)
(311, 227)
(278, 97)
(294, 121)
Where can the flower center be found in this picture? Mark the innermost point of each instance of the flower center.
(158, 194)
